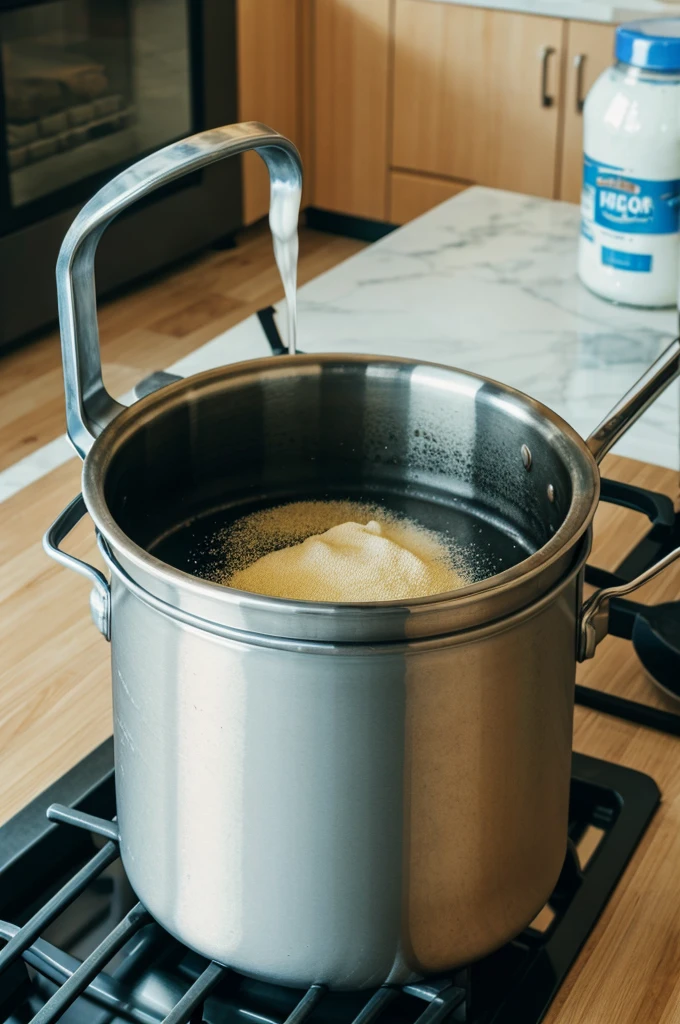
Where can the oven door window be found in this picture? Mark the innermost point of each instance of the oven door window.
(87, 87)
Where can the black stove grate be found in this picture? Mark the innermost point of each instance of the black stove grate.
(610, 808)
(660, 659)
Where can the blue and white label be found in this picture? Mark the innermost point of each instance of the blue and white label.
(640, 263)
(629, 205)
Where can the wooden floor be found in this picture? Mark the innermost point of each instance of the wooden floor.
(54, 672)
(152, 326)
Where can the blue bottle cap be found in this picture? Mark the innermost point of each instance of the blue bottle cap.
(653, 44)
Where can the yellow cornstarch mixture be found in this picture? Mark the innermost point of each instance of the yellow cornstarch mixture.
(335, 551)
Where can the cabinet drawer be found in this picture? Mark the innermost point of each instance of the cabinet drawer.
(413, 194)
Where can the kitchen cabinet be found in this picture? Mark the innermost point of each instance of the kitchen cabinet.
(397, 105)
(589, 50)
(413, 194)
(477, 95)
(350, 104)
(268, 43)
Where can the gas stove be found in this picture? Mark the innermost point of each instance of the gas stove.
(79, 947)
(82, 950)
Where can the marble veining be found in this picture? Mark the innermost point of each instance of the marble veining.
(486, 281)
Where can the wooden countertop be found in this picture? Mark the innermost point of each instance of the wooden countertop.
(55, 707)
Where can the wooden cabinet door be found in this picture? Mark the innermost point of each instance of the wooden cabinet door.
(476, 95)
(267, 52)
(350, 75)
(590, 50)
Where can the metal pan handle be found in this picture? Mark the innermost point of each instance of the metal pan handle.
(100, 595)
(89, 406)
(624, 414)
(594, 624)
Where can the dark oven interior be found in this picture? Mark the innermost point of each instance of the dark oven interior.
(86, 88)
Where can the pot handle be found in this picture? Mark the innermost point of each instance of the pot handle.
(89, 406)
(594, 622)
(100, 595)
(624, 414)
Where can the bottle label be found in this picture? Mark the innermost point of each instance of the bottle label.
(629, 205)
(639, 262)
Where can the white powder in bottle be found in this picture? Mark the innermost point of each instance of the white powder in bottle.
(630, 203)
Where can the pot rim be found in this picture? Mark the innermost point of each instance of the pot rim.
(585, 495)
(407, 646)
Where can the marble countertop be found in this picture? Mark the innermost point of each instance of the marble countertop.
(487, 282)
(612, 11)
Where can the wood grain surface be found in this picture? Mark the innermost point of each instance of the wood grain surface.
(153, 325)
(467, 95)
(413, 194)
(350, 100)
(269, 38)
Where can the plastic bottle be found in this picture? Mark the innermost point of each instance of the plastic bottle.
(630, 205)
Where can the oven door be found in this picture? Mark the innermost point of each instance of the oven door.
(86, 88)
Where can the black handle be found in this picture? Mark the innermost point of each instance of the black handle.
(546, 54)
(658, 508)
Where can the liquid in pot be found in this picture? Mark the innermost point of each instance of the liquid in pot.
(216, 545)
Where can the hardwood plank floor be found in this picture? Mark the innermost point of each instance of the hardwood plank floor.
(151, 326)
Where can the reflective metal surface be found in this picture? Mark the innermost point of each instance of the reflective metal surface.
(89, 406)
(344, 815)
(595, 612)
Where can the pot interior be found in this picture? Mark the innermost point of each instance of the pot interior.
(446, 448)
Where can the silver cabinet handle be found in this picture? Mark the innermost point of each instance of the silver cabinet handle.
(579, 64)
(546, 54)
(594, 624)
(100, 596)
(89, 406)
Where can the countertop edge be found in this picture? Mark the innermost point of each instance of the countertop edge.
(576, 10)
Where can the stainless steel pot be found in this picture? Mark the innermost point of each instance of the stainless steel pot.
(341, 794)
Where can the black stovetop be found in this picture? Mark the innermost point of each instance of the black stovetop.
(153, 978)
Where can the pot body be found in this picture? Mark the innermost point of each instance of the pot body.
(348, 814)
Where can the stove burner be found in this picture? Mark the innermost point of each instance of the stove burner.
(151, 978)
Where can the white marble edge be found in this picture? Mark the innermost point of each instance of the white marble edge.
(578, 10)
(486, 281)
